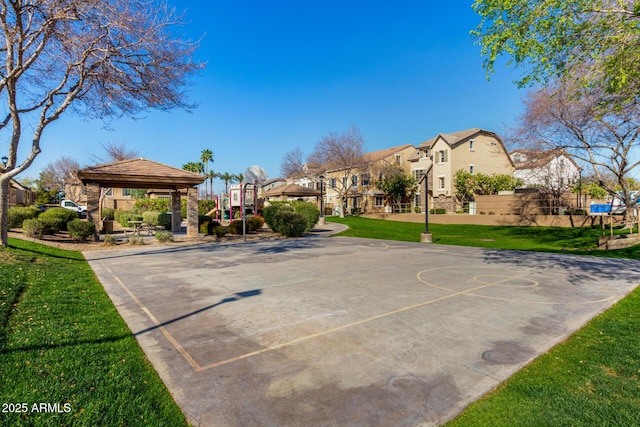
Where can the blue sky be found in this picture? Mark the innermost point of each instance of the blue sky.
(282, 74)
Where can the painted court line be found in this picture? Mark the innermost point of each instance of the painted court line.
(199, 368)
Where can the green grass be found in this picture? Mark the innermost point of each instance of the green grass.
(592, 379)
(546, 239)
(63, 342)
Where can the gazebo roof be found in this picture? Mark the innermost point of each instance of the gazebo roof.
(139, 173)
(292, 190)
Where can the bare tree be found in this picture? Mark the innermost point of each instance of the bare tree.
(61, 176)
(113, 151)
(292, 163)
(341, 155)
(571, 118)
(105, 57)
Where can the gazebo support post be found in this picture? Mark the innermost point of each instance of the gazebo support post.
(176, 219)
(192, 212)
(93, 208)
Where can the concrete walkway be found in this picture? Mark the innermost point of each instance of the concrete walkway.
(348, 332)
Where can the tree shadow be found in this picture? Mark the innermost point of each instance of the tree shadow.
(581, 269)
(237, 296)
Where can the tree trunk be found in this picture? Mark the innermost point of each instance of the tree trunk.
(4, 211)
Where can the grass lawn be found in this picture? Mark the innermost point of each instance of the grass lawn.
(592, 379)
(66, 355)
(547, 239)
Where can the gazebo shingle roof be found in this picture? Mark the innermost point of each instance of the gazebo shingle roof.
(291, 190)
(139, 173)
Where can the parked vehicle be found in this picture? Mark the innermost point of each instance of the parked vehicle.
(70, 204)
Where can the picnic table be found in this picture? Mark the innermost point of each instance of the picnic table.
(138, 227)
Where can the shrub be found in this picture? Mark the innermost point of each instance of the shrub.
(134, 240)
(125, 216)
(164, 220)
(117, 215)
(311, 213)
(235, 226)
(255, 223)
(438, 211)
(17, 215)
(205, 206)
(150, 217)
(293, 224)
(33, 228)
(204, 228)
(273, 215)
(155, 205)
(206, 224)
(109, 239)
(60, 216)
(417, 209)
(80, 230)
(164, 236)
(219, 231)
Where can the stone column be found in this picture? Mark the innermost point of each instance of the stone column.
(176, 219)
(192, 212)
(93, 207)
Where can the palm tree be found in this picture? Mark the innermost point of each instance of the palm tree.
(227, 178)
(212, 175)
(206, 156)
(195, 167)
(239, 177)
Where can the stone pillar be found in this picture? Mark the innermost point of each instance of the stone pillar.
(93, 207)
(176, 219)
(192, 212)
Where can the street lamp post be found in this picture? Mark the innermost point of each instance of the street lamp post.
(321, 219)
(426, 237)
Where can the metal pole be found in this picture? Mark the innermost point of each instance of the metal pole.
(426, 237)
(244, 222)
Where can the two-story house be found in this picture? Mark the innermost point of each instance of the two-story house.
(552, 169)
(472, 150)
(354, 189)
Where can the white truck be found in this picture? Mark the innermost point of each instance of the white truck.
(70, 204)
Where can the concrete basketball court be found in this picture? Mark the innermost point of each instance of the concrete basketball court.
(348, 332)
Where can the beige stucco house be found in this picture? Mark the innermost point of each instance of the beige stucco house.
(358, 183)
(472, 150)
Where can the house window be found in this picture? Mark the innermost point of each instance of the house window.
(126, 192)
(442, 156)
(472, 169)
(418, 174)
(416, 200)
(471, 145)
(332, 183)
(354, 180)
(441, 183)
(398, 159)
(109, 192)
(379, 201)
(365, 179)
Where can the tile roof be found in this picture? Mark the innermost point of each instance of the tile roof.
(140, 172)
(454, 138)
(539, 158)
(292, 190)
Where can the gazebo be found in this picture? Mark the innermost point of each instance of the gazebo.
(143, 173)
(290, 191)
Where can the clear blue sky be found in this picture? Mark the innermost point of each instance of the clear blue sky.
(282, 74)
